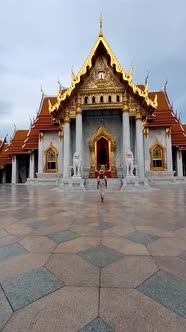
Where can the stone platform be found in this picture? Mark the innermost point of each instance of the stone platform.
(69, 263)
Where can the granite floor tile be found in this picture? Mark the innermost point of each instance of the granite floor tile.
(183, 255)
(63, 226)
(11, 250)
(157, 230)
(118, 230)
(61, 237)
(172, 265)
(128, 272)
(30, 287)
(38, 244)
(10, 239)
(97, 325)
(73, 270)
(79, 244)
(67, 310)
(100, 256)
(127, 310)
(5, 309)
(21, 264)
(167, 247)
(142, 238)
(86, 230)
(18, 229)
(125, 246)
(167, 290)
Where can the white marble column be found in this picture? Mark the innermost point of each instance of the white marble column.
(32, 164)
(79, 131)
(179, 163)
(14, 169)
(41, 153)
(169, 150)
(66, 169)
(139, 145)
(126, 131)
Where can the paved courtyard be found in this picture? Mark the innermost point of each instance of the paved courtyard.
(70, 263)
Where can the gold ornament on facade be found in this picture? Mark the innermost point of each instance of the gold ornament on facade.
(127, 77)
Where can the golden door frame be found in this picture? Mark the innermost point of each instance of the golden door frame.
(102, 132)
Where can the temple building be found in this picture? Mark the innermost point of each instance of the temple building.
(101, 117)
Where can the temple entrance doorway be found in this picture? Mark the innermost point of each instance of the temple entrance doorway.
(102, 153)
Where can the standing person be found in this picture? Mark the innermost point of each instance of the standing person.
(101, 184)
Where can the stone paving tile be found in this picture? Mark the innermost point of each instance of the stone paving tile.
(18, 229)
(12, 250)
(167, 247)
(128, 272)
(40, 224)
(21, 264)
(61, 237)
(79, 244)
(67, 310)
(157, 230)
(173, 265)
(86, 230)
(10, 239)
(29, 287)
(5, 309)
(73, 270)
(53, 228)
(167, 290)
(118, 230)
(3, 233)
(181, 232)
(104, 225)
(100, 256)
(183, 255)
(97, 325)
(125, 246)
(127, 310)
(38, 244)
(142, 238)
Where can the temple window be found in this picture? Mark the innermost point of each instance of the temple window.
(101, 99)
(118, 98)
(86, 100)
(93, 99)
(109, 98)
(157, 154)
(51, 156)
(101, 75)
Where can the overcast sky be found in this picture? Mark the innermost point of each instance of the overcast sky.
(40, 41)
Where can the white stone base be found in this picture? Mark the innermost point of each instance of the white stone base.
(74, 183)
(45, 178)
(166, 177)
(134, 183)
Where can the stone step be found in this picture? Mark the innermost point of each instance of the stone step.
(112, 184)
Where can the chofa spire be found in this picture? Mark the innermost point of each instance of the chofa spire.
(101, 26)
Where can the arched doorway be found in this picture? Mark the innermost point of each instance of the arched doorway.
(102, 152)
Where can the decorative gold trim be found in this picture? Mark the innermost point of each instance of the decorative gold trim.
(168, 132)
(163, 150)
(102, 132)
(127, 77)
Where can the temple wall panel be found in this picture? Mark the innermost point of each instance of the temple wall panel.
(54, 139)
(154, 135)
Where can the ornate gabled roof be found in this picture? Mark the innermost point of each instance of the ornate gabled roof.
(15, 146)
(5, 158)
(127, 77)
(165, 117)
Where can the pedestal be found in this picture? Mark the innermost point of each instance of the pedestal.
(134, 183)
(75, 183)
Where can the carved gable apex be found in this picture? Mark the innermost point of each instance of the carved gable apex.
(101, 75)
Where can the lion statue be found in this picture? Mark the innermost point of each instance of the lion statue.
(130, 163)
(76, 164)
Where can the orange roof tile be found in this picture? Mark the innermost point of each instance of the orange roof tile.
(15, 146)
(5, 158)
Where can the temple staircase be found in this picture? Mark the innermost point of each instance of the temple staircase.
(112, 184)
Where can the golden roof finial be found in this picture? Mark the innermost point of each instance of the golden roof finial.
(101, 25)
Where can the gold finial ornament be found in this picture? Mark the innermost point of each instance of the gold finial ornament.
(130, 72)
(101, 26)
